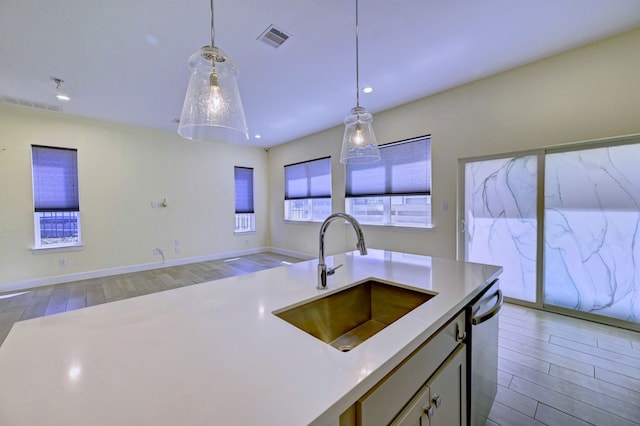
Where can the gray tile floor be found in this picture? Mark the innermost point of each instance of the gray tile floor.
(553, 370)
(557, 370)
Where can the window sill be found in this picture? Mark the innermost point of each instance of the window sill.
(244, 232)
(57, 249)
(395, 228)
(301, 222)
(385, 228)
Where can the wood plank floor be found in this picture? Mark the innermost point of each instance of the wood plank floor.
(59, 298)
(557, 370)
(553, 370)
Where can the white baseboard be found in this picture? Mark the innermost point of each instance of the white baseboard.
(291, 253)
(59, 279)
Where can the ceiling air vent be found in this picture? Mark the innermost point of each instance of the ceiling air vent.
(30, 104)
(274, 36)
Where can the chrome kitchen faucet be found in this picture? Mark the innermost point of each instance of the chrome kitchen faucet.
(361, 245)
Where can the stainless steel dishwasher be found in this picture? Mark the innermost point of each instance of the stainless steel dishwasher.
(482, 328)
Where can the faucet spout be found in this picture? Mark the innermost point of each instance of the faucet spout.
(361, 245)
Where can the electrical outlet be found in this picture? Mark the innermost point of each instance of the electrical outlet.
(158, 252)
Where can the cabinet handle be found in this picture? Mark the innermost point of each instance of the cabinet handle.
(437, 400)
(460, 336)
(429, 411)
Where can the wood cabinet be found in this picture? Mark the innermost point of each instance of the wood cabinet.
(442, 400)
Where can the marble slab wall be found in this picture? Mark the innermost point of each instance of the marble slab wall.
(592, 231)
(591, 227)
(500, 220)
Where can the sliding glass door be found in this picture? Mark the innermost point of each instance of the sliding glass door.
(500, 222)
(592, 231)
(565, 225)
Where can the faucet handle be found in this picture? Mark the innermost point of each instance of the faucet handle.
(332, 271)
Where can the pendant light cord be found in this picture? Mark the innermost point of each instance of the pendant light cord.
(212, 30)
(357, 61)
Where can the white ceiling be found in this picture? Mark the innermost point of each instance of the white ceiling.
(126, 61)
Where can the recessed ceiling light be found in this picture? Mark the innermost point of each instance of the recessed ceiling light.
(367, 89)
(258, 136)
(151, 39)
(61, 97)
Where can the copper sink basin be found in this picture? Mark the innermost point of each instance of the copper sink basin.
(348, 317)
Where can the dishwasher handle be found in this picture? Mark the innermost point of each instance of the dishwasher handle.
(490, 313)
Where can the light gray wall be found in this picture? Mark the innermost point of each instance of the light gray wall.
(587, 93)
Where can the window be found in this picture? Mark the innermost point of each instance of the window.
(395, 191)
(55, 197)
(307, 190)
(245, 215)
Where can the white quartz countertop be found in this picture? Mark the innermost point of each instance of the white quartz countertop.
(214, 353)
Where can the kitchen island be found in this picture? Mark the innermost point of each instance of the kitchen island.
(214, 353)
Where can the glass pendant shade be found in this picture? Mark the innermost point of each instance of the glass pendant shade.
(359, 144)
(212, 110)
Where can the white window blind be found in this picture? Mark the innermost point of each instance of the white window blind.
(404, 168)
(307, 180)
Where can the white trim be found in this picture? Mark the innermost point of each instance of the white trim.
(302, 222)
(59, 279)
(10, 295)
(399, 228)
(57, 248)
(291, 253)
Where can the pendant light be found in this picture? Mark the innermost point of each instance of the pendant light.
(359, 143)
(212, 109)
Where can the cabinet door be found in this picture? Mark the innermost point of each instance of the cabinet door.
(448, 391)
(382, 404)
(415, 413)
(442, 401)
